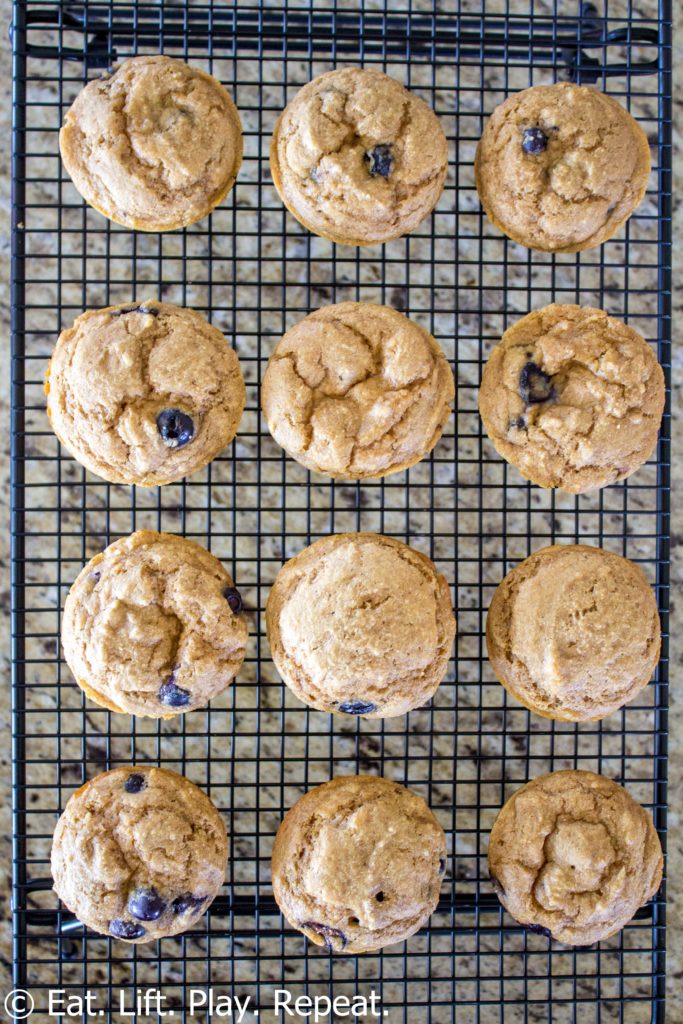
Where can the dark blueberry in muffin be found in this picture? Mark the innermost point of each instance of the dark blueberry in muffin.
(176, 427)
(146, 905)
(534, 141)
(518, 424)
(174, 696)
(136, 309)
(134, 783)
(379, 161)
(538, 929)
(181, 904)
(442, 865)
(357, 707)
(534, 385)
(125, 929)
(334, 939)
(234, 599)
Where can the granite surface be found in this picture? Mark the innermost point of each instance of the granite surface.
(99, 291)
(5, 727)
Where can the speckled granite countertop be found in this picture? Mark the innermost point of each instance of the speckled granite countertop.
(675, 864)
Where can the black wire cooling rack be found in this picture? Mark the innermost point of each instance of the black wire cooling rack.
(254, 271)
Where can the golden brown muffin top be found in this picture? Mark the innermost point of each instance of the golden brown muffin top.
(561, 167)
(361, 624)
(573, 398)
(149, 626)
(139, 853)
(358, 864)
(154, 146)
(573, 854)
(144, 393)
(573, 632)
(357, 158)
(357, 390)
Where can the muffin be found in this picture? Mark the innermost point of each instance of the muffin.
(357, 158)
(360, 624)
(144, 393)
(153, 626)
(573, 856)
(357, 390)
(561, 167)
(139, 853)
(358, 864)
(573, 398)
(573, 632)
(154, 146)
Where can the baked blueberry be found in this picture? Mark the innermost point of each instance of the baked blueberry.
(330, 935)
(357, 707)
(442, 865)
(538, 929)
(234, 599)
(518, 424)
(534, 385)
(146, 905)
(135, 309)
(134, 783)
(380, 161)
(176, 427)
(174, 696)
(534, 141)
(181, 904)
(121, 929)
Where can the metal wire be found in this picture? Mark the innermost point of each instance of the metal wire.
(254, 271)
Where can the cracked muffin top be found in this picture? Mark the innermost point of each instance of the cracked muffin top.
(139, 853)
(154, 146)
(361, 624)
(572, 855)
(144, 393)
(561, 167)
(357, 390)
(573, 632)
(153, 626)
(358, 864)
(357, 158)
(573, 398)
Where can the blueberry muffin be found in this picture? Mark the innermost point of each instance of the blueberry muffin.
(561, 167)
(573, 632)
(154, 626)
(139, 853)
(357, 158)
(573, 856)
(144, 393)
(357, 390)
(573, 398)
(360, 624)
(154, 146)
(358, 864)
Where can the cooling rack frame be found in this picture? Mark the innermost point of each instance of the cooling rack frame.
(473, 963)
